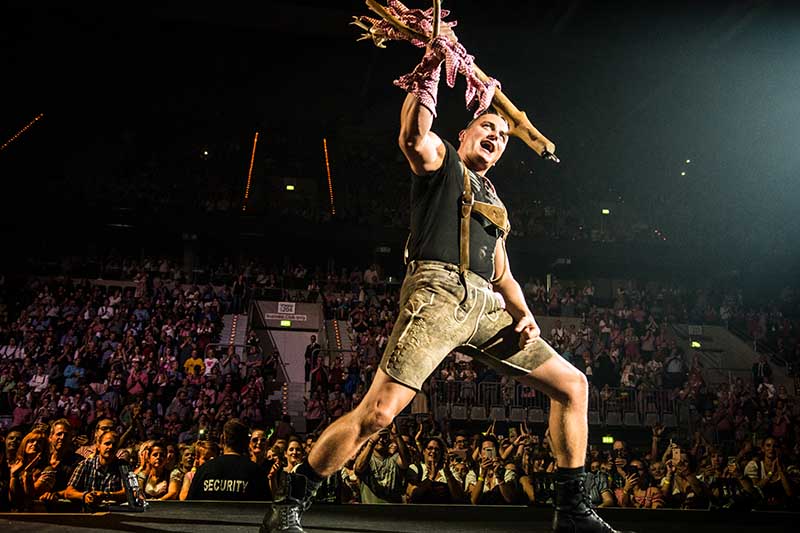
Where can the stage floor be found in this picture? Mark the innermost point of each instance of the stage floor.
(202, 517)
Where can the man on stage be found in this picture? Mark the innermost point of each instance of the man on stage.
(459, 292)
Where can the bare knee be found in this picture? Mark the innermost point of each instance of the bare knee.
(572, 388)
(374, 418)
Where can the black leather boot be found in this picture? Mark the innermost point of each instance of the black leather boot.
(574, 513)
(285, 514)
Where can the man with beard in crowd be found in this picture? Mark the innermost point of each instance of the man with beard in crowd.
(382, 473)
(99, 478)
(63, 458)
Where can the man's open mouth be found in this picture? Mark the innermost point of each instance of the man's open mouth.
(489, 147)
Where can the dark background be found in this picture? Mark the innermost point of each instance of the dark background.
(133, 95)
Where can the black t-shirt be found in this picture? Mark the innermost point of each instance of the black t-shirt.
(229, 477)
(64, 470)
(436, 222)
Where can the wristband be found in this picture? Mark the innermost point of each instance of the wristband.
(480, 478)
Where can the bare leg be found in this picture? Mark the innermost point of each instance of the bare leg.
(384, 400)
(568, 391)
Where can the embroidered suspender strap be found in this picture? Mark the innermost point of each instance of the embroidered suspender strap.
(467, 202)
(495, 214)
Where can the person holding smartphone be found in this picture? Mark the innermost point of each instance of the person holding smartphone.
(493, 484)
(714, 469)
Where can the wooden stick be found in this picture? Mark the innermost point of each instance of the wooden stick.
(519, 124)
(437, 18)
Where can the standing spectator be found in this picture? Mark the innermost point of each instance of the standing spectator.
(40, 380)
(684, 490)
(768, 475)
(382, 473)
(674, 370)
(258, 447)
(229, 366)
(180, 406)
(194, 364)
(639, 490)
(211, 361)
(138, 380)
(761, 370)
(294, 453)
(237, 293)
(231, 476)
(597, 486)
(432, 480)
(74, 374)
(494, 483)
(314, 411)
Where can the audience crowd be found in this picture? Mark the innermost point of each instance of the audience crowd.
(96, 379)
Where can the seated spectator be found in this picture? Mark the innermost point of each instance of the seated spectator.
(204, 451)
(12, 441)
(31, 475)
(185, 464)
(62, 457)
(98, 479)
(103, 425)
(231, 476)
(432, 480)
(154, 477)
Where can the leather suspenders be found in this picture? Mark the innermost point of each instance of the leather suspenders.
(495, 214)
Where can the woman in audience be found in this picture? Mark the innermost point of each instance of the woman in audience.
(294, 453)
(258, 447)
(31, 474)
(154, 479)
(640, 489)
(204, 451)
(432, 479)
(186, 454)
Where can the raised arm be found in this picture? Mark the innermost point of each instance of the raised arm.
(423, 149)
(363, 458)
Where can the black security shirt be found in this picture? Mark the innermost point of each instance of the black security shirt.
(229, 477)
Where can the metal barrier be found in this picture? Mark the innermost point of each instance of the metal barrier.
(512, 401)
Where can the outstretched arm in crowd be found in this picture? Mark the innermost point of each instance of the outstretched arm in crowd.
(658, 429)
(364, 456)
(403, 457)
